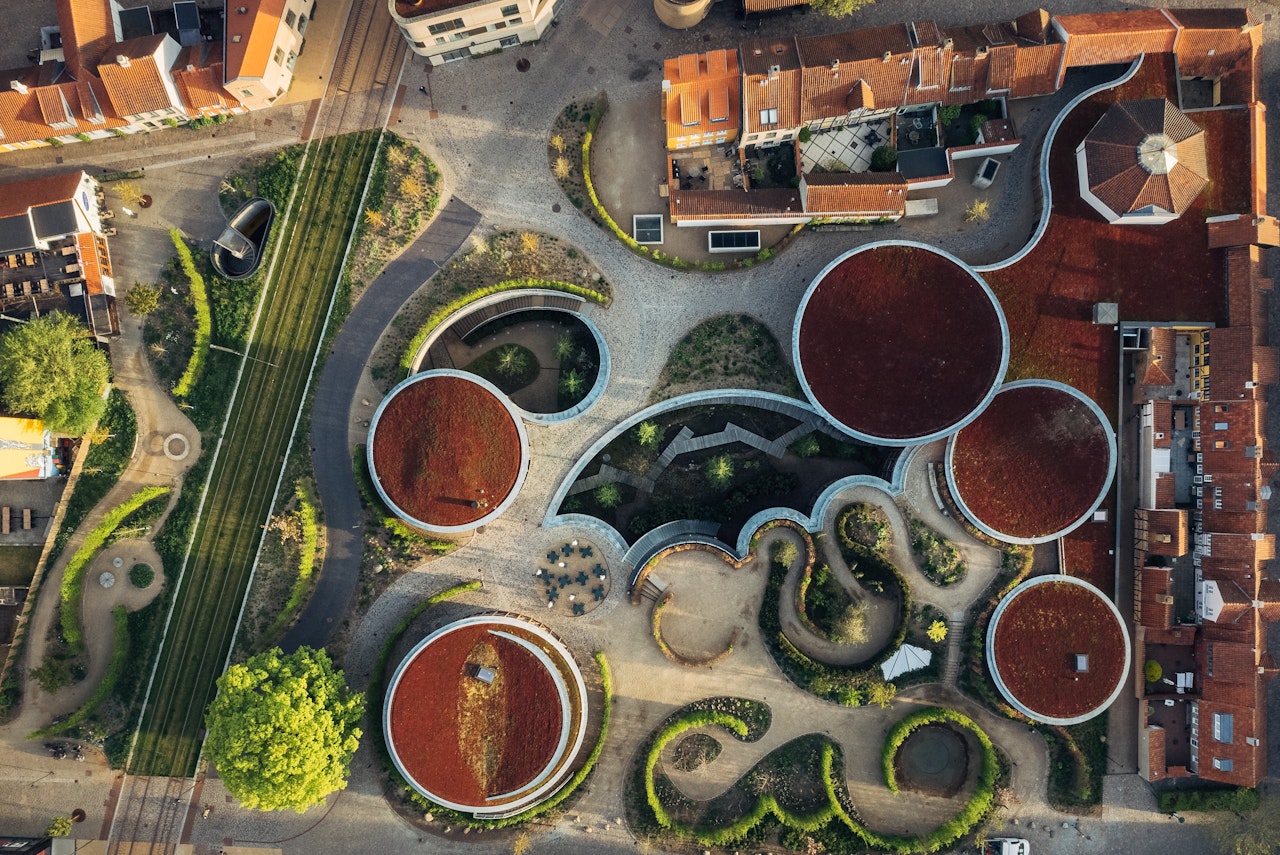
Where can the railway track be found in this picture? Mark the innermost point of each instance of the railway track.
(155, 808)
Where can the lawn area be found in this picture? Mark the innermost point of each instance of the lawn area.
(1048, 296)
(241, 484)
(18, 565)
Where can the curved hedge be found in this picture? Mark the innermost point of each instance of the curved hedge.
(119, 655)
(307, 548)
(834, 812)
(204, 319)
(73, 574)
(443, 312)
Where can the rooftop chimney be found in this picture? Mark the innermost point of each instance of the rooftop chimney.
(122, 60)
(18, 86)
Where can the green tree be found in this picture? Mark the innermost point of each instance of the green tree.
(608, 495)
(882, 694)
(785, 552)
(59, 826)
(937, 631)
(1254, 833)
(884, 159)
(53, 674)
(571, 383)
(839, 8)
(142, 299)
(649, 434)
(850, 625)
(283, 729)
(564, 347)
(511, 361)
(949, 114)
(720, 470)
(51, 370)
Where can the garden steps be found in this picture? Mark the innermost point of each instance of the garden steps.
(610, 474)
(955, 634)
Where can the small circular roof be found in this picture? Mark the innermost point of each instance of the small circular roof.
(1035, 464)
(1058, 650)
(1157, 154)
(899, 343)
(485, 715)
(447, 451)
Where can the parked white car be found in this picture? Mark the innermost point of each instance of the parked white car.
(1006, 846)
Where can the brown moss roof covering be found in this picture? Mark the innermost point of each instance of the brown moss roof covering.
(1037, 638)
(438, 443)
(467, 741)
(899, 342)
(1033, 463)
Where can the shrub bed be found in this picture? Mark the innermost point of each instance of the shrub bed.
(204, 320)
(73, 574)
(119, 656)
(1235, 799)
(940, 561)
(936, 715)
(308, 546)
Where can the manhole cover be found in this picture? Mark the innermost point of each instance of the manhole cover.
(107, 579)
(555, 209)
(522, 64)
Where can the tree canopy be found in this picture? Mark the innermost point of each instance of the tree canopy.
(51, 369)
(837, 8)
(1255, 832)
(283, 729)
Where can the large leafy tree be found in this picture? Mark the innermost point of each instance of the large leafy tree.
(283, 728)
(51, 369)
(838, 8)
(1254, 832)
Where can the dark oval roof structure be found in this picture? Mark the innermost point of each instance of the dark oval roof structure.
(1143, 163)
(237, 253)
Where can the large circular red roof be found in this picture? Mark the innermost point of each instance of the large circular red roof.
(466, 741)
(1035, 637)
(1036, 462)
(446, 450)
(900, 342)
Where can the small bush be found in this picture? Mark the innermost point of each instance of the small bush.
(785, 553)
(204, 319)
(884, 159)
(806, 446)
(720, 470)
(608, 495)
(1152, 671)
(141, 575)
(1236, 799)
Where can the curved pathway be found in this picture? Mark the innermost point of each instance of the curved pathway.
(332, 426)
(158, 419)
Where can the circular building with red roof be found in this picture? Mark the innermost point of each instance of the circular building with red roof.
(1035, 464)
(1057, 649)
(486, 715)
(899, 343)
(447, 451)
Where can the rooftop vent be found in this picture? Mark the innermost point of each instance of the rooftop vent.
(885, 58)
(122, 60)
(1082, 663)
(243, 10)
(18, 86)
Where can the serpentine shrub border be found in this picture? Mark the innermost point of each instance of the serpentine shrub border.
(307, 549)
(73, 574)
(204, 319)
(944, 835)
(678, 658)
(445, 312)
(119, 656)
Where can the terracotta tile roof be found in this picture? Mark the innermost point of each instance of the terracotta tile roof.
(1236, 361)
(19, 196)
(854, 194)
(1243, 229)
(1166, 492)
(733, 204)
(1033, 26)
(1116, 173)
(963, 70)
(1212, 41)
(1110, 37)
(836, 67)
(1247, 287)
(929, 71)
(1258, 155)
(1036, 70)
(87, 32)
(90, 268)
(1167, 532)
(1155, 752)
(54, 107)
(750, 6)
(21, 119)
(201, 88)
(1002, 64)
(1162, 414)
(705, 93)
(1155, 600)
(137, 87)
(248, 56)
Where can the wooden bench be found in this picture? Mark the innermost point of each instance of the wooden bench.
(26, 519)
(4, 520)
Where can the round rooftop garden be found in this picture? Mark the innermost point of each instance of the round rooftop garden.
(900, 343)
(1035, 464)
(1058, 650)
(486, 715)
(447, 451)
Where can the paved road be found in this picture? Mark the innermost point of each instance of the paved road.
(331, 416)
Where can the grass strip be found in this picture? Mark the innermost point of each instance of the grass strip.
(204, 320)
(119, 656)
(306, 563)
(440, 314)
(73, 575)
(269, 394)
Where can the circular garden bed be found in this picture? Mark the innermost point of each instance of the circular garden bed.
(485, 715)
(1058, 650)
(900, 343)
(447, 451)
(1035, 464)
